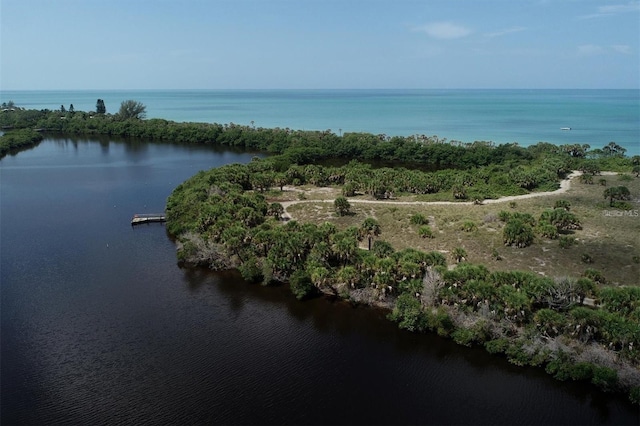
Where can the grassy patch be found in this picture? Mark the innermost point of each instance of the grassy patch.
(610, 236)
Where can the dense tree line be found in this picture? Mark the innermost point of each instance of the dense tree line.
(304, 147)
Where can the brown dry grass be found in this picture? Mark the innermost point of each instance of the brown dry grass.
(611, 241)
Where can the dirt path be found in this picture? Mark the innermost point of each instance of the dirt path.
(565, 184)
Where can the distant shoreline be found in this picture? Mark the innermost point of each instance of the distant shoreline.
(525, 116)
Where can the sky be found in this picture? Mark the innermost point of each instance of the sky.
(318, 44)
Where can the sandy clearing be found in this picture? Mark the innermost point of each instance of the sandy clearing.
(565, 185)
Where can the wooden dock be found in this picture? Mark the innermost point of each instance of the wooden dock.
(139, 219)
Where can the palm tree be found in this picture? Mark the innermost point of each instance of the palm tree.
(345, 247)
(617, 193)
(459, 254)
(370, 228)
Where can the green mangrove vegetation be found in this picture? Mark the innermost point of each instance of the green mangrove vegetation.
(15, 140)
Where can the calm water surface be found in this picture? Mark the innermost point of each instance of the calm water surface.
(99, 325)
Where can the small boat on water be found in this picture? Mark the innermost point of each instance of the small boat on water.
(565, 128)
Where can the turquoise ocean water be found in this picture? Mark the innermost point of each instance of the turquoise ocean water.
(596, 117)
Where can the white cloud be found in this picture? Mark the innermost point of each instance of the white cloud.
(590, 50)
(505, 31)
(444, 30)
(594, 49)
(622, 48)
(613, 9)
(632, 6)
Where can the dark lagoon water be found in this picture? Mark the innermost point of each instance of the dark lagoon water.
(99, 325)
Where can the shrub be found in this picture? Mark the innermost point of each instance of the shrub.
(407, 312)
(550, 322)
(300, 284)
(586, 178)
(582, 371)
(459, 254)
(605, 378)
(586, 258)
(469, 226)
(497, 346)
(441, 322)
(495, 254)
(463, 336)
(517, 354)
(382, 248)
(419, 219)
(595, 276)
(634, 395)
(560, 367)
(342, 206)
(567, 241)
(548, 231)
(250, 270)
(425, 231)
(517, 233)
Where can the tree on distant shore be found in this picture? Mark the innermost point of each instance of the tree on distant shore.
(100, 108)
(132, 109)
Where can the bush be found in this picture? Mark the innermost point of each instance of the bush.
(342, 206)
(504, 216)
(250, 270)
(560, 367)
(469, 226)
(582, 371)
(517, 354)
(301, 284)
(605, 378)
(425, 231)
(566, 241)
(441, 322)
(634, 395)
(419, 219)
(495, 254)
(517, 233)
(595, 276)
(463, 336)
(497, 346)
(548, 231)
(407, 312)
